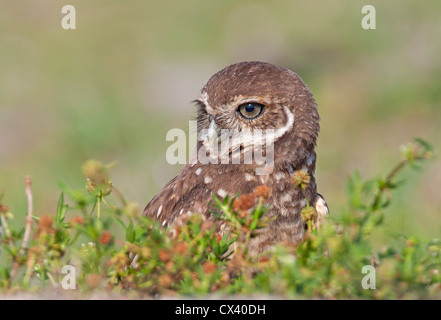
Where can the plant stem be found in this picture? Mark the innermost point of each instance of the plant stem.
(27, 234)
(119, 194)
(98, 206)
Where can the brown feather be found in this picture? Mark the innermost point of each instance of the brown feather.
(278, 90)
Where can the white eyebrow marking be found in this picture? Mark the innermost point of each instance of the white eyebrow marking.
(289, 124)
(204, 98)
(249, 138)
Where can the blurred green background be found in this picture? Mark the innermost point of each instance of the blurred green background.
(112, 88)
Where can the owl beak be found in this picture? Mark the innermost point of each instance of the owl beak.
(212, 133)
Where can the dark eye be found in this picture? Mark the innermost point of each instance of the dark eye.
(250, 110)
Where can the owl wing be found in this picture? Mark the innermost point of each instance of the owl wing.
(322, 209)
(182, 194)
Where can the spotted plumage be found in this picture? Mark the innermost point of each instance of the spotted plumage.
(250, 97)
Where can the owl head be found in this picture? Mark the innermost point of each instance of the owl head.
(259, 97)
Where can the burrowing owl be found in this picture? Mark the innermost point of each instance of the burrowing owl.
(258, 102)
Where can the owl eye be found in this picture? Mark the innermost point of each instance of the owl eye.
(250, 110)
